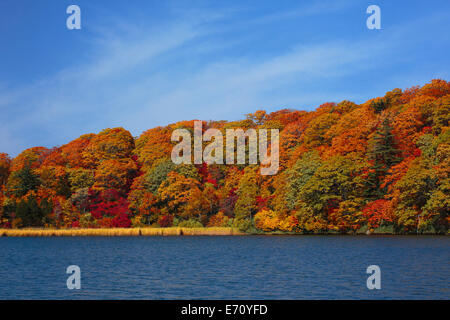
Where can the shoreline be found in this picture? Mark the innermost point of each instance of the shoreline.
(120, 232)
(170, 231)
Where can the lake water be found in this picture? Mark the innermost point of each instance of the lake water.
(236, 267)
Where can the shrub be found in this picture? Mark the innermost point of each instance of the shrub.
(244, 225)
(191, 223)
(87, 220)
(363, 229)
(384, 230)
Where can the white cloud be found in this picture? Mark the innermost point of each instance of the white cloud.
(140, 77)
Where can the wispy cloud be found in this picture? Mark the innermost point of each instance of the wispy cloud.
(139, 77)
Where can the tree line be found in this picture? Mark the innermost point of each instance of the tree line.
(380, 166)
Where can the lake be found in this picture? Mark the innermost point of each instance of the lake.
(226, 267)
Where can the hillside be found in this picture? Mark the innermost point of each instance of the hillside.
(382, 165)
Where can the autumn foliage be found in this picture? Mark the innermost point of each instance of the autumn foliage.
(380, 165)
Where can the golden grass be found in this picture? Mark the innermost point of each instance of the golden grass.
(123, 232)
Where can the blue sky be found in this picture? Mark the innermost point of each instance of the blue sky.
(140, 64)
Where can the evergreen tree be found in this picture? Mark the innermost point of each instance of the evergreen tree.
(380, 104)
(383, 155)
(22, 181)
(30, 212)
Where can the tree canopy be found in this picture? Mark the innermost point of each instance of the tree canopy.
(380, 165)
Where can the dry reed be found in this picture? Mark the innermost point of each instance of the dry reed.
(112, 232)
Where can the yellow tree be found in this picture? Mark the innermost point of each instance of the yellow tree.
(181, 194)
(115, 174)
(109, 144)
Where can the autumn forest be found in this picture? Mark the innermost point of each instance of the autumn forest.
(382, 166)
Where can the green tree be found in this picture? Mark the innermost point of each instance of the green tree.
(414, 191)
(299, 175)
(380, 104)
(22, 181)
(158, 175)
(383, 155)
(247, 191)
(30, 212)
(338, 180)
